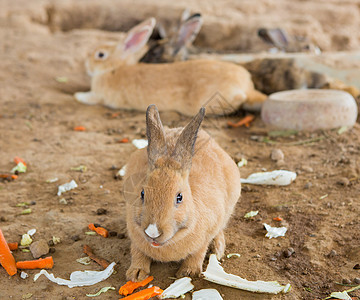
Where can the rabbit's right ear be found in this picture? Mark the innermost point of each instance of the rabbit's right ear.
(185, 145)
(275, 36)
(188, 31)
(137, 37)
(155, 134)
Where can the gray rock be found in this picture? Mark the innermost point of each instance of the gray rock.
(39, 248)
(277, 155)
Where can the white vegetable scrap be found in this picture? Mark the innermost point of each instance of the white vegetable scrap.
(177, 288)
(139, 143)
(215, 273)
(52, 180)
(251, 214)
(84, 260)
(242, 162)
(24, 275)
(274, 232)
(31, 232)
(20, 167)
(233, 254)
(26, 240)
(340, 295)
(66, 187)
(103, 290)
(122, 171)
(278, 177)
(207, 294)
(80, 278)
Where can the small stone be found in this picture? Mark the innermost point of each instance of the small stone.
(332, 253)
(75, 238)
(287, 253)
(101, 211)
(52, 250)
(257, 256)
(273, 258)
(357, 280)
(277, 155)
(51, 243)
(63, 201)
(39, 248)
(308, 185)
(357, 267)
(3, 219)
(343, 181)
(113, 167)
(121, 235)
(307, 169)
(33, 203)
(346, 281)
(113, 233)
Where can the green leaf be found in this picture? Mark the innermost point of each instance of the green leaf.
(103, 290)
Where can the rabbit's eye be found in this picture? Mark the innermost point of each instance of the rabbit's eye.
(179, 198)
(142, 195)
(101, 55)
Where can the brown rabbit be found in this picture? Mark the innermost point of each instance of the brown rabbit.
(118, 81)
(180, 193)
(173, 44)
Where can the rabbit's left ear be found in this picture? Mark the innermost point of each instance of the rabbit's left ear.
(188, 31)
(137, 37)
(185, 145)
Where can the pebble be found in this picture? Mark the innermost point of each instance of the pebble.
(39, 248)
(75, 238)
(346, 281)
(277, 154)
(3, 219)
(357, 280)
(343, 181)
(290, 251)
(307, 169)
(332, 253)
(273, 258)
(308, 185)
(63, 201)
(52, 250)
(357, 267)
(101, 211)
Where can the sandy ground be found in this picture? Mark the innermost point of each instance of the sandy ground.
(37, 118)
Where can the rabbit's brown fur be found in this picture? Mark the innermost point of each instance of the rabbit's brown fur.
(209, 182)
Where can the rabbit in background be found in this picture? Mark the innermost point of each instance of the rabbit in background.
(180, 193)
(278, 38)
(173, 44)
(118, 81)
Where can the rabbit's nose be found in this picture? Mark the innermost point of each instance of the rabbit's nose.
(152, 231)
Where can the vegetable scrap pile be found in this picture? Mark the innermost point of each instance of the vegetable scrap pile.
(14, 173)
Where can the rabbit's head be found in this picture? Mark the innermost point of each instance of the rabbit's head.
(165, 209)
(128, 50)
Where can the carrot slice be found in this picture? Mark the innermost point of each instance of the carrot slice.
(18, 159)
(245, 121)
(7, 260)
(99, 230)
(278, 219)
(101, 261)
(145, 294)
(123, 141)
(8, 176)
(42, 263)
(130, 286)
(13, 246)
(79, 128)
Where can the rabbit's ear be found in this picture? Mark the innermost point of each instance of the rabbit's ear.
(275, 36)
(137, 37)
(184, 148)
(187, 32)
(155, 134)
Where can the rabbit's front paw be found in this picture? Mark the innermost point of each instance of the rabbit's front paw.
(189, 270)
(87, 98)
(136, 274)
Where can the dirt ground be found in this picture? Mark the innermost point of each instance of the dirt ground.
(38, 113)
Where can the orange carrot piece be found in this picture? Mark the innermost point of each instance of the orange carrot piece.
(18, 159)
(101, 261)
(130, 286)
(278, 219)
(123, 141)
(245, 121)
(145, 294)
(79, 128)
(99, 230)
(41, 263)
(7, 260)
(13, 246)
(8, 176)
